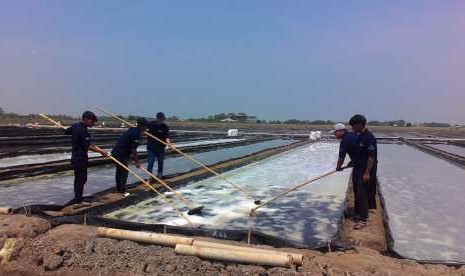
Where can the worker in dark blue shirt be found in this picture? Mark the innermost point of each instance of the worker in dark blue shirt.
(81, 144)
(364, 173)
(156, 149)
(348, 145)
(126, 150)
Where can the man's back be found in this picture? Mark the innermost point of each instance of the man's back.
(127, 141)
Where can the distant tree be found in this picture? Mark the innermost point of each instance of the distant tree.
(408, 124)
(1, 111)
(374, 123)
(435, 124)
(132, 117)
(173, 118)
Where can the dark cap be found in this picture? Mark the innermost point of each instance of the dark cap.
(89, 115)
(161, 115)
(357, 119)
(142, 122)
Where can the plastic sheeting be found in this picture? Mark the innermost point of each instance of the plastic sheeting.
(308, 216)
(58, 188)
(424, 197)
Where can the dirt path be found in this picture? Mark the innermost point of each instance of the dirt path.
(75, 250)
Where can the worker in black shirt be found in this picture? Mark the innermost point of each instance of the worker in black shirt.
(348, 145)
(126, 150)
(156, 149)
(81, 144)
(364, 173)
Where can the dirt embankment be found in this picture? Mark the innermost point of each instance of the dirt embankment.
(75, 250)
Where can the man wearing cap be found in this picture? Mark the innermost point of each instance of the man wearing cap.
(365, 167)
(156, 149)
(81, 144)
(347, 145)
(125, 150)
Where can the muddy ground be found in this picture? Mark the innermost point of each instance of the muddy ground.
(75, 250)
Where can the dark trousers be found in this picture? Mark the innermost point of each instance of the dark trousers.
(360, 196)
(371, 188)
(159, 154)
(121, 175)
(80, 178)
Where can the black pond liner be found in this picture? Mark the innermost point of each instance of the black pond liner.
(95, 216)
(389, 237)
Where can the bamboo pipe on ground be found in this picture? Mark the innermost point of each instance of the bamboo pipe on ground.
(256, 201)
(297, 258)
(192, 208)
(155, 238)
(229, 255)
(172, 240)
(130, 171)
(5, 210)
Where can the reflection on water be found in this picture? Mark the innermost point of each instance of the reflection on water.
(305, 216)
(58, 188)
(424, 198)
(42, 158)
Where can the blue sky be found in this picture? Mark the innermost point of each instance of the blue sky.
(275, 59)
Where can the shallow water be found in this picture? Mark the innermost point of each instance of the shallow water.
(458, 150)
(308, 215)
(58, 188)
(41, 158)
(424, 198)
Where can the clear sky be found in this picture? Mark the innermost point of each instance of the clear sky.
(275, 59)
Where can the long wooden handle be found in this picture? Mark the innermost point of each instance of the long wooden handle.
(182, 153)
(131, 172)
(290, 190)
(168, 187)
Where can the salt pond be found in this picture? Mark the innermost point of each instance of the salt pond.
(458, 150)
(58, 188)
(41, 158)
(424, 198)
(306, 216)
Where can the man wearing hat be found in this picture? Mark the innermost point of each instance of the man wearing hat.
(125, 150)
(81, 144)
(347, 145)
(156, 149)
(365, 166)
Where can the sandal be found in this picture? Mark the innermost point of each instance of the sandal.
(360, 224)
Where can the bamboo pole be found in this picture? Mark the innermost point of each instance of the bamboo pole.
(185, 155)
(252, 211)
(297, 258)
(5, 210)
(155, 238)
(268, 259)
(188, 202)
(131, 172)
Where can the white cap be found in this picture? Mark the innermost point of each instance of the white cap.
(337, 127)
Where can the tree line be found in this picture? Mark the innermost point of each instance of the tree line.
(32, 118)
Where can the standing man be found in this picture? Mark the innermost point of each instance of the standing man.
(81, 144)
(156, 149)
(365, 166)
(125, 150)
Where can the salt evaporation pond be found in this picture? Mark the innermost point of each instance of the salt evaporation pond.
(58, 188)
(424, 198)
(42, 158)
(309, 215)
(458, 150)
